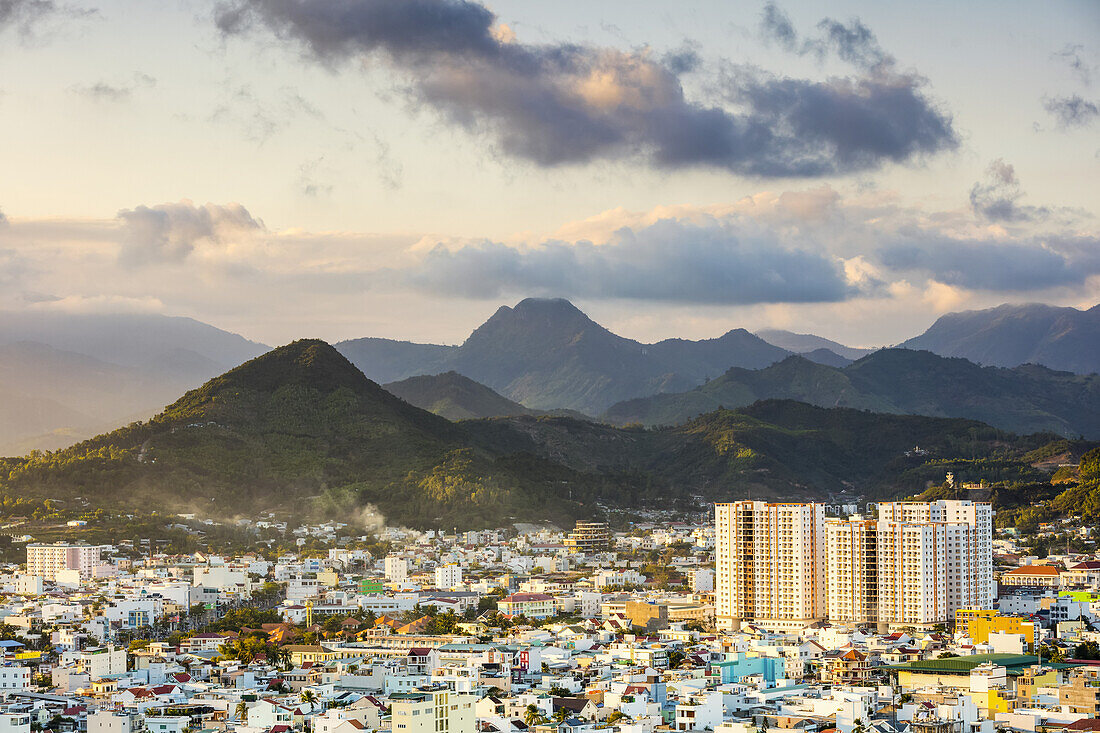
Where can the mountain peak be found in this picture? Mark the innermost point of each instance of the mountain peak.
(309, 363)
(305, 362)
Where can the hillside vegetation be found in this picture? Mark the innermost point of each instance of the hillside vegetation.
(301, 429)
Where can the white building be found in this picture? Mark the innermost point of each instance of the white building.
(299, 589)
(105, 721)
(14, 679)
(46, 561)
(967, 550)
(15, 723)
(448, 576)
(397, 568)
(770, 564)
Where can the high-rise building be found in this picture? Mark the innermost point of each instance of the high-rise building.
(46, 561)
(784, 565)
(588, 537)
(934, 559)
(852, 590)
(770, 565)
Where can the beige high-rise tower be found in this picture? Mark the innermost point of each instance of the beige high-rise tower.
(770, 564)
(783, 566)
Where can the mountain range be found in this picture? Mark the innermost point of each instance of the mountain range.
(301, 430)
(547, 354)
(1066, 339)
(64, 377)
(1024, 399)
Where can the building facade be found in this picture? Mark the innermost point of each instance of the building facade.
(783, 566)
(46, 561)
(770, 564)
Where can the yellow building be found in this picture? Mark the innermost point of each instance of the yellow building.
(978, 624)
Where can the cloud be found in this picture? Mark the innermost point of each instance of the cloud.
(712, 263)
(171, 232)
(1072, 111)
(996, 199)
(776, 25)
(557, 104)
(1007, 266)
(1071, 55)
(852, 42)
(102, 91)
(26, 15)
(22, 14)
(3, 219)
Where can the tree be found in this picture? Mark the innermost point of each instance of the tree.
(309, 696)
(615, 717)
(533, 716)
(241, 711)
(561, 714)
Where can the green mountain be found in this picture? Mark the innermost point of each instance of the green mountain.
(1026, 399)
(455, 397)
(1009, 335)
(301, 430)
(547, 355)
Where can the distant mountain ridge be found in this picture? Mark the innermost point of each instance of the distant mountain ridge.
(1026, 399)
(1065, 339)
(547, 354)
(64, 377)
(302, 431)
(804, 343)
(455, 397)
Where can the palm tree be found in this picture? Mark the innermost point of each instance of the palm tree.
(561, 714)
(533, 716)
(241, 711)
(309, 696)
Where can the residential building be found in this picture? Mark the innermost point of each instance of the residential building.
(432, 710)
(396, 568)
(448, 576)
(46, 561)
(770, 564)
(588, 537)
(1032, 576)
(852, 591)
(531, 605)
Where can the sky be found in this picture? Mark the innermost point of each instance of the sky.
(401, 168)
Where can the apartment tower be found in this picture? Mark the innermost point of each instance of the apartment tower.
(770, 567)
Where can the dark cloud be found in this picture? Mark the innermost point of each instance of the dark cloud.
(1072, 111)
(171, 232)
(23, 14)
(26, 15)
(997, 198)
(557, 104)
(991, 265)
(775, 25)
(669, 261)
(852, 42)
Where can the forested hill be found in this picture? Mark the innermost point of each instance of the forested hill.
(301, 429)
